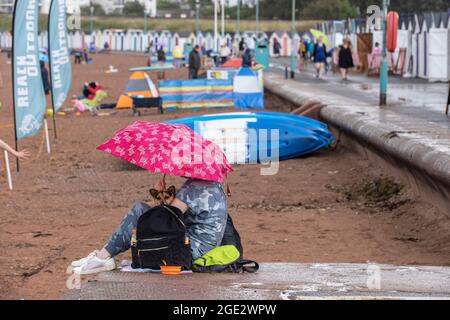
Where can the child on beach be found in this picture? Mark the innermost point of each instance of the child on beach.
(22, 155)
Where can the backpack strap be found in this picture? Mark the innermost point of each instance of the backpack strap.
(249, 266)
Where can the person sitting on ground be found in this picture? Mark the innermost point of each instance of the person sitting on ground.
(91, 89)
(208, 224)
(21, 155)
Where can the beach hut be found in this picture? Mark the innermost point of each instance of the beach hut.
(126, 41)
(297, 39)
(4, 43)
(209, 40)
(139, 84)
(107, 38)
(192, 38)
(249, 38)
(99, 39)
(404, 47)
(166, 39)
(423, 46)
(147, 40)
(439, 50)
(200, 38)
(77, 40)
(275, 36)
(115, 41)
(43, 39)
(286, 44)
(409, 68)
(228, 40)
(237, 36)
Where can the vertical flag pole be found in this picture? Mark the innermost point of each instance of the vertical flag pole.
(47, 139)
(223, 20)
(50, 74)
(8, 171)
(16, 143)
(384, 64)
(293, 51)
(215, 26)
(257, 19)
(239, 16)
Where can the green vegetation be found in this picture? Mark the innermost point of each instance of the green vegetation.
(174, 25)
(330, 10)
(274, 15)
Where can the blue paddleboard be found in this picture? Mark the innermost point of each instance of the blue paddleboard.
(248, 137)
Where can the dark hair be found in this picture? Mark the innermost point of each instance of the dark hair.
(377, 44)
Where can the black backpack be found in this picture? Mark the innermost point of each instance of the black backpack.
(161, 239)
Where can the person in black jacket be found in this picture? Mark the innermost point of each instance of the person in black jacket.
(247, 59)
(241, 47)
(194, 63)
(161, 55)
(45, 78)
(345, 58)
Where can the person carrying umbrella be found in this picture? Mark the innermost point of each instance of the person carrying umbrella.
(202, 198)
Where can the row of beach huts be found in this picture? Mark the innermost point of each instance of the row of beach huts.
(423, 49)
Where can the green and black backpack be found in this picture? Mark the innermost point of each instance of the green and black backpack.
(224, 259)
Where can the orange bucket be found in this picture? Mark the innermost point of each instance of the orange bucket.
(171, 270)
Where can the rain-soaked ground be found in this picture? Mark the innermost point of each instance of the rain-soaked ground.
(419, 95)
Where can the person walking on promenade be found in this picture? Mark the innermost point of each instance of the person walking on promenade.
(345, 58)
(276, 48)
(320, 58)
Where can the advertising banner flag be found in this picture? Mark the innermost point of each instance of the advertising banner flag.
(28, 90)
(60, 66)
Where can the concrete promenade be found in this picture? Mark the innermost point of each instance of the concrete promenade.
(411, 132)
(278, 281)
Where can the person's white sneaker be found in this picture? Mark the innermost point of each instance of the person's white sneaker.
(96, 265)
(79, 263)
